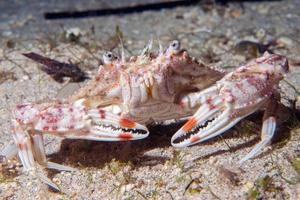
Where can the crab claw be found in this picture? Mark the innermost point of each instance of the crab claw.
(107, 126)
(236, 96)
(213, 118)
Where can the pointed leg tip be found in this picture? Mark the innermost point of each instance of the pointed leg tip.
(48, 182)
(59, 167)
(54, 189)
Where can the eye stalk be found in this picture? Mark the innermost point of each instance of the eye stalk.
(175, 45)
(108, 57)
(173, 48)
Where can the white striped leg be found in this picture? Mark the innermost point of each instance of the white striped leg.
(30, 149)
(267, 132)
(40, 156)
(38, 148)
(24, 146)
(26, 151)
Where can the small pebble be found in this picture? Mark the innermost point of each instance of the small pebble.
(248, 186)
(56, 180)
(25, 77)
(75, 31)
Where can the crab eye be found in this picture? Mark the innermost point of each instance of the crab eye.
(108, 57)
(175, 45)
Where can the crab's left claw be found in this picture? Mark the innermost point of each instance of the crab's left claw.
(107, 126)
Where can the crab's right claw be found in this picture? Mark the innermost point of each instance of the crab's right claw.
(240, 93)
(107, 126)
(213, 118)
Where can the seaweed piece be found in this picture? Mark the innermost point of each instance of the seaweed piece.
(57, 70)
(262, 186)
(296, 165)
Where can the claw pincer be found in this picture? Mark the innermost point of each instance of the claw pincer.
(237, 95)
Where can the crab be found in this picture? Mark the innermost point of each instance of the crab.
(129, 93)
(125, 95)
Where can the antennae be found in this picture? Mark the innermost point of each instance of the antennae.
(150, 43)
(122, 49)
(147, 48)
(161, 50)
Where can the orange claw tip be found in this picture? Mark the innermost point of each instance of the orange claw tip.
(194, 139)
(189, 125)
(126, 123)
(125, 136)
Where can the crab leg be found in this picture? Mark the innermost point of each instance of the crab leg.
(40, 156)
(26, 150)
(267, 132)
(24, 146)
(38, 148)
(30, 148)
